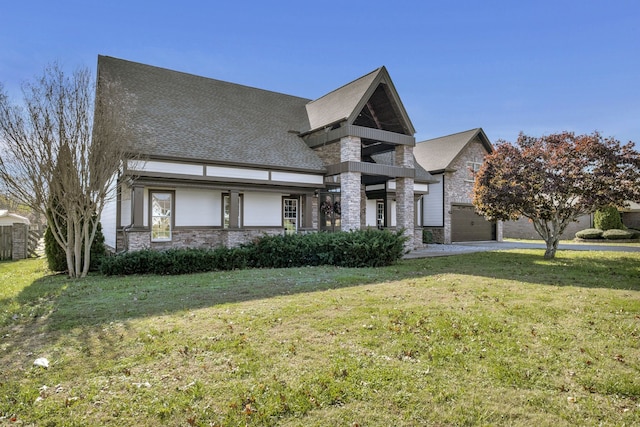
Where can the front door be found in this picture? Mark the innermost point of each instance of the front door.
(330, 210)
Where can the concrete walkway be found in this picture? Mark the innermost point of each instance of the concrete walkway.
(468, 247)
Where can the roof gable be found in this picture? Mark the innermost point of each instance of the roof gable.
(12, 218)
(361, 102)
(437, 155)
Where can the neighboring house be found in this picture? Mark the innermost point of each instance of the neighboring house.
(448, 212)
(631, 215)
(523, 228)
(14, 240)
(223, 163)
(8, 219)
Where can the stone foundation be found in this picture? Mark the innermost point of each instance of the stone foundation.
(193, 238)
(437, 234)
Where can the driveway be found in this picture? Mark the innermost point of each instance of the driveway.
(467, 247)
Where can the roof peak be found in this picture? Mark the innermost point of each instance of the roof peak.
(376, 71)
(474, 130)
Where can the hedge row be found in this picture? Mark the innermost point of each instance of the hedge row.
(364, 248)
(613, 234)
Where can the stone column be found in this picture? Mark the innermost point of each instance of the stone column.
(405, 216)
(20, 241)
(350, 150)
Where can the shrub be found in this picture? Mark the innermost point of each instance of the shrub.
(175, 261)
(589, 233)
(608, 218)
(365, 248)
(636, 233)
(617, 234)
(362, 248)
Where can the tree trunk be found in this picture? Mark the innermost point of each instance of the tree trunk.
(552, 247)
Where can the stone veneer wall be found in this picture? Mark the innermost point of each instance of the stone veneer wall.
(350, 185)
(329, 154)
(20, 241)
(417, 238)
(196, 238)
(405, 204)
(523, 228)
(437, 234)
(457, 187)
(631, 219)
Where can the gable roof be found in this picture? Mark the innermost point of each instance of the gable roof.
(13, 218)
(348, 101)
(436, 155)
(183, 116)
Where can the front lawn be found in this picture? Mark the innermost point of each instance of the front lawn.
(501, 338)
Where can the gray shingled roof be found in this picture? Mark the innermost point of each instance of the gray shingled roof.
(436, 155)
(339, 104)
(190, 117)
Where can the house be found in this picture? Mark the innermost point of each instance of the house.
(222, 163)
(8, 219)
(630, 215)
(448, 213)
(14, 239)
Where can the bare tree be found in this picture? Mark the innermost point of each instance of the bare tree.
(62, 152)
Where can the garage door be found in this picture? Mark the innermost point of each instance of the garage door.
(468, 226)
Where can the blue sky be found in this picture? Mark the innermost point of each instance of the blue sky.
(506, 66)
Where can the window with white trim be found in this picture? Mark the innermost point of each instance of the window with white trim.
(380, 213)
(161, 215)
(226, 210)
(472, 169)
(290, 215)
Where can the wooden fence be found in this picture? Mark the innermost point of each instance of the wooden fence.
(6, 239)
(20, 241)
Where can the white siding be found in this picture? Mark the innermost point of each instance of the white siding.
(262, 209)
(297, 177)
(108, 217)
(423, 188)
(393, 214)
(226, 172)
(145, 208)
(198, 207)
(167, 167)
(125, 206)
(432, 204)
(371, 213)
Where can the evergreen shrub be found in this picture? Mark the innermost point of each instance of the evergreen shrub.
(364, 248)
(589, 233)
(615, 234)
(608, 218)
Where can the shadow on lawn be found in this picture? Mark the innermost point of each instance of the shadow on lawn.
(100, 300)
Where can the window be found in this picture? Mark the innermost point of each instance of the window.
(226, 211)
(380, 214)
(161, 218)
(472, 168)
(290, 215)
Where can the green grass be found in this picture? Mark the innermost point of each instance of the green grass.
(503, 338)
